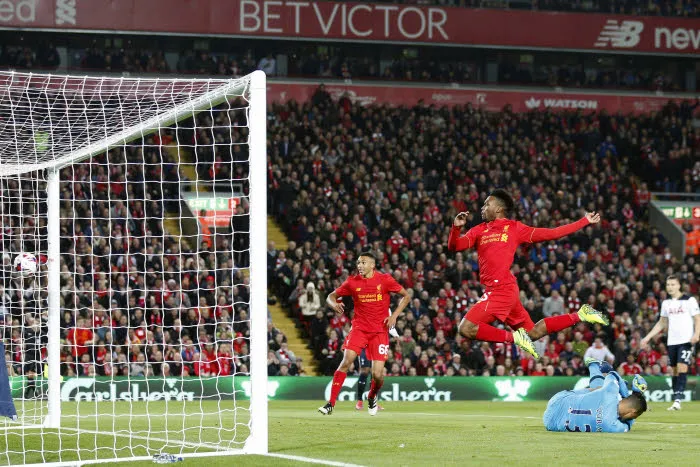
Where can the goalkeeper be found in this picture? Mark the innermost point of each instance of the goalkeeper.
(606, 406)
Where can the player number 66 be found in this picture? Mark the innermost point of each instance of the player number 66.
(383, 349)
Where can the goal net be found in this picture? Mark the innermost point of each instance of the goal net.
(143, 328)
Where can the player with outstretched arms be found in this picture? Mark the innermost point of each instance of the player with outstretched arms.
(680, 315)
(496, 241)
(371, 294)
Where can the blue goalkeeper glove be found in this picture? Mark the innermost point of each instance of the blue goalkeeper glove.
(639, 384)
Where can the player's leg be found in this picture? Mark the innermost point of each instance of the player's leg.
(519, 319)
(365, 366)
(597, 370)
(558, 323)
(682, 356)
(673, 354)
(354, 343)
(491, 307)
(377, 352)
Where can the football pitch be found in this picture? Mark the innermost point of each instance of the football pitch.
(405, 433)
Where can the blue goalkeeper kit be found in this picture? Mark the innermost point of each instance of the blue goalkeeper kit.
(587, 410)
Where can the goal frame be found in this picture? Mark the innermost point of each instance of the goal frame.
(257, 441)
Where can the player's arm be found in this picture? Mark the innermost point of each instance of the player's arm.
(332, 299)
(612, 383)
(658, 328)
(618, 426)
(390, 321)
(623, 391)
(458, 242)
(696, 335)
(695, 313)
(530, 234)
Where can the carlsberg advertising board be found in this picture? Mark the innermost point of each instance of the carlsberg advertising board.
(406, 389)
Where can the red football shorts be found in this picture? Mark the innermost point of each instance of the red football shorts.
(376, 344)
(501, 304)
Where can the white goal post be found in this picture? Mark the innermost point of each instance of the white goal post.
(144, 331)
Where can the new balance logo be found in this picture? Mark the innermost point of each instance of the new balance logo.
(623, 35)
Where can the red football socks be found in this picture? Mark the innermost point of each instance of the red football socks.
(338, 379)
(557, 323)
(488, 333)
(374, 388)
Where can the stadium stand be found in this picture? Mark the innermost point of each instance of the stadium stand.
(392, 180)
(430, 66)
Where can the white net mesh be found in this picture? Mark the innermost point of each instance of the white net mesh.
(154, 253)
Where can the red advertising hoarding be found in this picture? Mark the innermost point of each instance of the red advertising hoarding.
(326, 20)
(489, 99)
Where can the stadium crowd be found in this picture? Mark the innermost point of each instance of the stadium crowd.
(345, 179)
(360, 62)
(136, 300)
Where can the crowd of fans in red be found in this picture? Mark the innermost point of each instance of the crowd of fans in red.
(136, 299)
(345, 178)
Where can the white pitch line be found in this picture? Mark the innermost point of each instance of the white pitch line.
(311, 460)
(308, 460)
(131, 459)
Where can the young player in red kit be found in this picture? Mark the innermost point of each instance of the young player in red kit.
(371, 293)
(496, 241)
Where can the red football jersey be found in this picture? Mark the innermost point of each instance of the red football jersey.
(496, 242)
(371, 297)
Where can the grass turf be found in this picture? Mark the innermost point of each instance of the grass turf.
(406, 433)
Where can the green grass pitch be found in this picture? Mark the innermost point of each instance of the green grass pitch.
(406, 433)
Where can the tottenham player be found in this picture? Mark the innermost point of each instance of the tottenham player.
(681, 317)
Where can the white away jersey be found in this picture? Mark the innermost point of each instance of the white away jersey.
(680, 313)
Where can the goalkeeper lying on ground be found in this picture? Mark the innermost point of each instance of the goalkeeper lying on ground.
(606, 406)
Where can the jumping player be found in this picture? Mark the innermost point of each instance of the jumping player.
(371, 293)
(496, 241)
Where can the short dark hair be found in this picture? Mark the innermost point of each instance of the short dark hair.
(638, 403)
(368, 254)
(506, 200)
(673, 277)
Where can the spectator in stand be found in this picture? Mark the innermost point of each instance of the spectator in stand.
(599, 351)
(309, 302)
(554, 305)
(268, 64)
(79, 339)
(630, 367)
